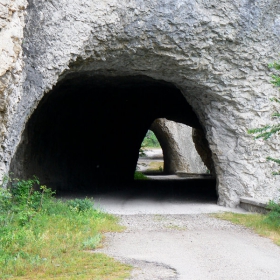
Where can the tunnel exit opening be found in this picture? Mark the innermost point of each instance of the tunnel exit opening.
(86, 133)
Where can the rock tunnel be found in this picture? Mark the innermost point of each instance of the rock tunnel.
(86, 133)
(216, 54)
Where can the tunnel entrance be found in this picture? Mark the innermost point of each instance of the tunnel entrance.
(86, 133)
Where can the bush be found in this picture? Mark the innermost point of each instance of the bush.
(80, 205)
(24, 193)
(273, 217)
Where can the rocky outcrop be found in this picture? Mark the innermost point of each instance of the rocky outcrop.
(215, 52)
(179, 151)
(11, 35)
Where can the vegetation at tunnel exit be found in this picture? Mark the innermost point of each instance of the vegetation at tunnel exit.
(139, 176)
(44, 238)
(150, 140)
(265, 225)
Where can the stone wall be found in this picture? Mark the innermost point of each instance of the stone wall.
(215, 52)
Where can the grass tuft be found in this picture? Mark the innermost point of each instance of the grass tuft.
(261, 224)
(139, 176)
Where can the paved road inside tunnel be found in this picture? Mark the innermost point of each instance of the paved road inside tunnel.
(162, 197)
(170, 234)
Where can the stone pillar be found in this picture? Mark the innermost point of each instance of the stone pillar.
(178, 147)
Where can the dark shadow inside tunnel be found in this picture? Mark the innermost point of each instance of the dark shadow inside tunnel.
(86, 133)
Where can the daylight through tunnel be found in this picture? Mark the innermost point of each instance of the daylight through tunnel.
(86, 132)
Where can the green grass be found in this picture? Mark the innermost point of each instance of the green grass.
(55, 240)
(263, 225)
(139, 176)
(156, 166)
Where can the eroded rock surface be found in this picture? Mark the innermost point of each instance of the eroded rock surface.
(11, 67)
(178, 147)
(215, 52)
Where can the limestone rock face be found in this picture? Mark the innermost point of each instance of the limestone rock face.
(178, 147)
(216, 52)
(11, 66)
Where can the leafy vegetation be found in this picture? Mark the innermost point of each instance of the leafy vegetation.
(45, 238)
(273, 217)
(275, 78)
(150, 141)
(139, 176)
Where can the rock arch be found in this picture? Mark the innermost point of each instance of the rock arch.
(179, 151)
(215, 53)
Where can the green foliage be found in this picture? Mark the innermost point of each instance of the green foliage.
(5, 199)
(92, 242)
(39, 233)
(275, 78)
(80, 205)
(20, 201)
(265, 132)
(150, 140)
(139, 176)
(25, 193)
(273, 217)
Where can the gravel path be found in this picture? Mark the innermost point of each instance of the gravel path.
(192, 247)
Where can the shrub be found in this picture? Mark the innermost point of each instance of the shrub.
(273, 217)
(80, 205)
